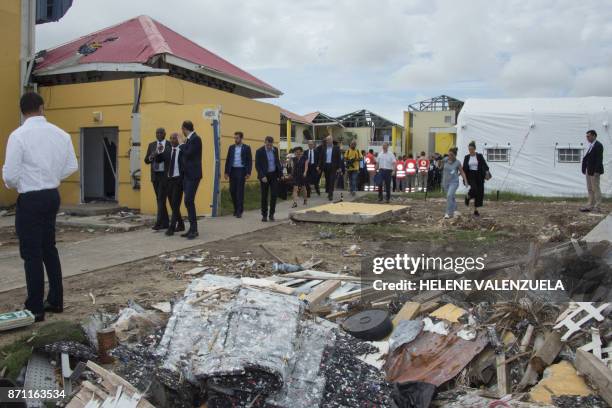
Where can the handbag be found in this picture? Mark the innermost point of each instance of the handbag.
(488, 175)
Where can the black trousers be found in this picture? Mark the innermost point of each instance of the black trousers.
(312, 177)
(270, 187)
(386, 181)
(237, 179)
(159, 181)
(190, 188)
(330, 179)
(476, 182)
(175, 195)
(35, 225)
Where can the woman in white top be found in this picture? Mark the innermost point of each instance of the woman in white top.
(477, 171)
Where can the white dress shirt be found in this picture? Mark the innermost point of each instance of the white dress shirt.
(386, 160)
(176, 151)
(39, 155)
(159, 166)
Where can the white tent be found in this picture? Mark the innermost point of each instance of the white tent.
(535, 146)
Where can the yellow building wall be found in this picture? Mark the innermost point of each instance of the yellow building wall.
(444, 141)
(10, 29)
(165, 102)
(421, 123)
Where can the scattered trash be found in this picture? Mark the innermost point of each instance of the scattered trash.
(13, 320)
(369, 325)
(285, 267)
(405, 331)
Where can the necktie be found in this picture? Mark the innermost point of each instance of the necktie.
(172, 161)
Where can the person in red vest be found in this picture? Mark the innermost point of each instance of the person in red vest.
(411, 170)
(400, 173)
(423, 170)
(370, 161)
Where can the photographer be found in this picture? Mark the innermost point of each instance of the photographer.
(352, 158)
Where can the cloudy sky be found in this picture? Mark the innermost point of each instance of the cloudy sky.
(343, 55)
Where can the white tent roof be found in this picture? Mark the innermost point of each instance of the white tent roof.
(541, 105)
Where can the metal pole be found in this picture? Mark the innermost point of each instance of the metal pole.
(216, 191)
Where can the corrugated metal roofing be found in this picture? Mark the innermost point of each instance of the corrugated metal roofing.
(136, 41)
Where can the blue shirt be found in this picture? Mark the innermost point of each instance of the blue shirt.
(271, 160)
(238, 156)
(328, 157)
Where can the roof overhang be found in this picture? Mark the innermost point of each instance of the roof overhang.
(264, 91)
(102, 67)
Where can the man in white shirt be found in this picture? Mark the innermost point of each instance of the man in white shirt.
(158, 156)
(39, 156)
(385, 164)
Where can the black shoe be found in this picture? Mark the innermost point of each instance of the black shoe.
(169, 232)
(476, 213)
(386, 201)
(239, 215)
(185, 235)
(192, 235)
(467, 201)
(156, 228)
(330, 198)
(271, 218)
(180, 228)
(48, 307)
(264, 219)
(40, 317)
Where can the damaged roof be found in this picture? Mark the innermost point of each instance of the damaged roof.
(136, 45)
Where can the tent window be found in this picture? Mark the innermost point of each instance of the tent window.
(498, 154)
(567, 155)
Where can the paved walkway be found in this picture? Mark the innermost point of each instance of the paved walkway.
(110, 250)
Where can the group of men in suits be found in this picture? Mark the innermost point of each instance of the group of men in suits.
(238, 166)
(176, 171)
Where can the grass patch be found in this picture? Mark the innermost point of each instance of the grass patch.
(252, 199)
(15, 356)
(492, 196)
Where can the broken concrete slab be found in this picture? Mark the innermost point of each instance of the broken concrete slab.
(601, 232)
(91, 209)
(103, 222)
(559, 379)
(349, 213)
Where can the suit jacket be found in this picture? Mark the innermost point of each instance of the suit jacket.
(261, 162)
(164, 157)
(336, 157)
(191, 151)
(483, 167)
(316, 152)
(245, 154)
(181, 163)
(593, 161)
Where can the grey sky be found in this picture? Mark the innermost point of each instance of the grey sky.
(343, 55)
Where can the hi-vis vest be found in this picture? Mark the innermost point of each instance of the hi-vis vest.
(411, 167)
(370, 163)
(423, 165)
(400, 171)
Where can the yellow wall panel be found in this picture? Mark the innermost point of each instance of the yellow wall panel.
(10, 26)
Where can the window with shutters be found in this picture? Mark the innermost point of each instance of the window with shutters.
(498, 154)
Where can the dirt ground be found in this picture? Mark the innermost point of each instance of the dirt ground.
(504, 230)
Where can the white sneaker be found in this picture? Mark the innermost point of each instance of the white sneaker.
(446, 216)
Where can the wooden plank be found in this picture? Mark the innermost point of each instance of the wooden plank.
(409, 311)
(321, 292)
(547, 353)
(266, 284)
(272, 254)
(597, 372)
(116, 381)
(503, 380)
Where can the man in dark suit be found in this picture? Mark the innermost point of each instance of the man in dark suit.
(330, 160)
(269, 170)
(158, 156)
(312, 176)
(592, 168)
(238, 166)
(175, 186)
(191, 150)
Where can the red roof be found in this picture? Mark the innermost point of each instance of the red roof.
(138, 40)
(295, 117)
